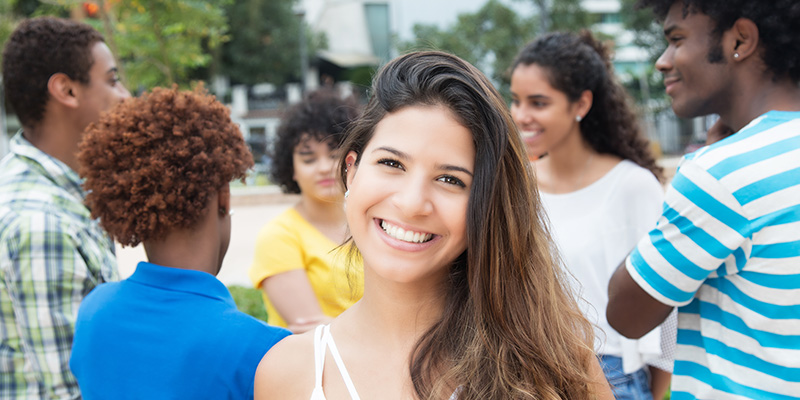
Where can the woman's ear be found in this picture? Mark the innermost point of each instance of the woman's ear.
(350, 166)
(584, 104)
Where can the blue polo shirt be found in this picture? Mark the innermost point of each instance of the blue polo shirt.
(167, 333)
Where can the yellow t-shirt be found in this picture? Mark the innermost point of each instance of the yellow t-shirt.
(289, 242)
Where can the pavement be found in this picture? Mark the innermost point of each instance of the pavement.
(253, 207)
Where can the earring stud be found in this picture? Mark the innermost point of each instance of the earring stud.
(578, 118)
(735, 55)
(346, 193)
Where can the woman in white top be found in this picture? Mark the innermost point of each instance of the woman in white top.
(463, 297)
(599, 185)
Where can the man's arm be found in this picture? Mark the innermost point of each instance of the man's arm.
(631, 310)
(45, 276)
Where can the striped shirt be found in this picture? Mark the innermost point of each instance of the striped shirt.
(51, 255)
(727, 250)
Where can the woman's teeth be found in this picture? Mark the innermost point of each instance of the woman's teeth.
(404, 235)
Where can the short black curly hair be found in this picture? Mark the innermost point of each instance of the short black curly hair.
(575, 63)
(37, 49)
(777, 22)
(151, 163)
(323, 115)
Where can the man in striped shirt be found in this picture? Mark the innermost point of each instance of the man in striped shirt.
(59, 76)
(727, 247)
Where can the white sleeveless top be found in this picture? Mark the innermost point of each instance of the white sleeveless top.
(322, 341)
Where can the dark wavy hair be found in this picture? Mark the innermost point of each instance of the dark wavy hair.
(574, 63)
(777, 22)
(323, 115)
(37, 49)
(151, 163)
(510, 329)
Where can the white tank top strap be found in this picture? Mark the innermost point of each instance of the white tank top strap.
(339, 363)
(322, 341)
(319, 363)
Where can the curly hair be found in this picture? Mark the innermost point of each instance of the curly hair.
(37, 49)
(323, 115)
(776, 21)
(574, 63)
(152, 163)
(510, 329)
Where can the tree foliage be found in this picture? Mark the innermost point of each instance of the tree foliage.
(265, 42)
(648, 32)
(160, 42)
(562, 15)
(488, 39)
(156, 42)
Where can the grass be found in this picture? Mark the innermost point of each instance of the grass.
(249, 301)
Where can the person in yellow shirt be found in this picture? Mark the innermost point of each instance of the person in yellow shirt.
(298, 263)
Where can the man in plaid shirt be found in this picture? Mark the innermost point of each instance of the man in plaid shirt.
(59, 75)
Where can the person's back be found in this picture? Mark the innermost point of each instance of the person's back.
(726, 247)
(51, 251)
(158, 170)
(163, 316)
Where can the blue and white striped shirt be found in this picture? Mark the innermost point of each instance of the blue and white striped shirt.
(727, 250)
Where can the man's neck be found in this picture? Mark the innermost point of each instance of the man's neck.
(58, 140)
(760, 97)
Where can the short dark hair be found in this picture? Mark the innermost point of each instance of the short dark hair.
(152, 162)
(323, 115)
(776, 21)
(37, 49)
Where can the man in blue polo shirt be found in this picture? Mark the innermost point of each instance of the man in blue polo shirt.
(157, 171)
(727, 247)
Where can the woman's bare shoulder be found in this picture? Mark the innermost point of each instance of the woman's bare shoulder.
(287, 370)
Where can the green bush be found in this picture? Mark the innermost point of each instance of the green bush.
(249, 301)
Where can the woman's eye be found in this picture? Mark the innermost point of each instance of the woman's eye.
(309, 160)
(452, 180)
(390, 163)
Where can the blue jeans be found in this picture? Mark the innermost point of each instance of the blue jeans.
(633, 386)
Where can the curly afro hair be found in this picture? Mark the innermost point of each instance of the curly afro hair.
(324, 116)
(578, 62)
(152, 163)
(37, 49)
(777, 22)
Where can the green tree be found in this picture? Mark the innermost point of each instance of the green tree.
(562, 15)
(160, 42)
(156, 42)
(489, 39)
(264, 42)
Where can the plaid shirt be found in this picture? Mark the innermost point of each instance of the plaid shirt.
(52, 254)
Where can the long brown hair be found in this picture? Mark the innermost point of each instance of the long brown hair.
(510, 329)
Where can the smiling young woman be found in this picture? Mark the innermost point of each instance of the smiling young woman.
(599, 186)
(463, 296)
